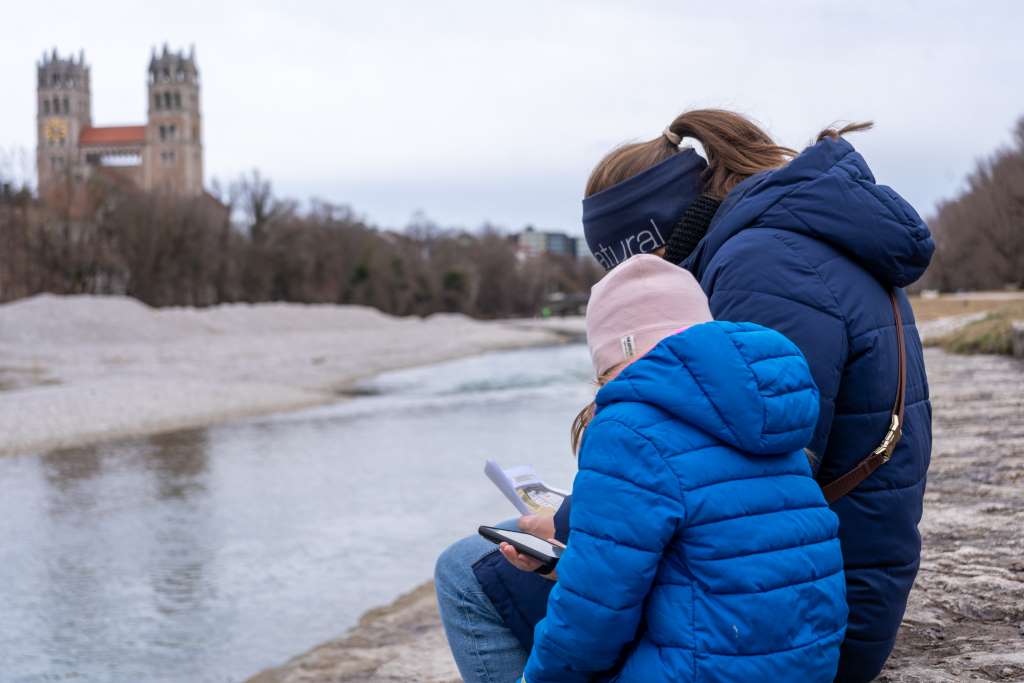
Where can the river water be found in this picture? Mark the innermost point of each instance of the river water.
(208, 555)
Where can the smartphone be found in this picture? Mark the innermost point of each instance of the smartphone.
(527, 544)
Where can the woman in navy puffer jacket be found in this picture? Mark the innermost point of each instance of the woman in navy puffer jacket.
(702, 548)
(809, 245)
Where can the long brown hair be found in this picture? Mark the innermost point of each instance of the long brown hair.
(735, 147)
(583, 418)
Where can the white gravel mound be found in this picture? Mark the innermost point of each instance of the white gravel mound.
(81, 369)
(49, 319)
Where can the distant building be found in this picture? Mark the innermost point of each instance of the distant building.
(561, 244)
(165, 154)
(533, 242)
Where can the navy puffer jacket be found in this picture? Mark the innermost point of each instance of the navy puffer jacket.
(810, 250)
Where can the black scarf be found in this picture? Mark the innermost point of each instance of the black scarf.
(690, 229)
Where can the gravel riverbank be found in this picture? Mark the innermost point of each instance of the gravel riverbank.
(77, 370)
(965, 621)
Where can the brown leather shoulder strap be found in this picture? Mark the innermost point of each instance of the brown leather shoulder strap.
(840, 487)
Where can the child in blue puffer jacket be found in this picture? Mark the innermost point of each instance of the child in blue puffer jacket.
(701, 548)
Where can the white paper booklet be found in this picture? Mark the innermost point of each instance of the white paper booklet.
(524, 489)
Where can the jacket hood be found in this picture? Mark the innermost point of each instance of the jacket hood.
(829, 193)
(742, 383)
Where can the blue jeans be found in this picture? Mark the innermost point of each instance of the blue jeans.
(485, 650)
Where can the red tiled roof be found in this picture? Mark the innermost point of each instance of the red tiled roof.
(113, 135)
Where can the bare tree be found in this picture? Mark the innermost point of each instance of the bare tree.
(979, 235)
(168, 250)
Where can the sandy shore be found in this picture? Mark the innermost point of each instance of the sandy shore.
(965, 620)
(78, 370)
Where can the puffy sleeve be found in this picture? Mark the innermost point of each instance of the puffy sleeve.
(562, 520)
(760, 277)
(627, 507)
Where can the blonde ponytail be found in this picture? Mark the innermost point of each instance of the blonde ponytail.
(736, 148)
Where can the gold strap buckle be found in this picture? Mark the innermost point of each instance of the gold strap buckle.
(892, 437)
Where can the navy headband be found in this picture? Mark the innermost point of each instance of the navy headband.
(637, 215)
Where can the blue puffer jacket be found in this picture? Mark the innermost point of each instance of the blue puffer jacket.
(702, 548)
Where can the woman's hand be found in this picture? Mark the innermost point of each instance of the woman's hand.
(525, 562)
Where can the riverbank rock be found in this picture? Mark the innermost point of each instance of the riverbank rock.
(965, 620)
(401, 642)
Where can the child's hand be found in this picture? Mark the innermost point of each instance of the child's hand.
(525, 562)
(541, 526)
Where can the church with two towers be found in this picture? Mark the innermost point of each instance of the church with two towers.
(163, 155)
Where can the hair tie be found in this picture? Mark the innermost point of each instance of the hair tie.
(671, 137)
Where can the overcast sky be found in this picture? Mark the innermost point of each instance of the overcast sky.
(481, 111)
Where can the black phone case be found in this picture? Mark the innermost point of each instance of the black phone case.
(494, 535)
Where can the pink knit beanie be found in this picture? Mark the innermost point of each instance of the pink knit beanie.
(636, 305)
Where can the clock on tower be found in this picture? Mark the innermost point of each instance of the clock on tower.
(56, 131)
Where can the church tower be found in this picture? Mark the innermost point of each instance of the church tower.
(63, 110)
(174, 150)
